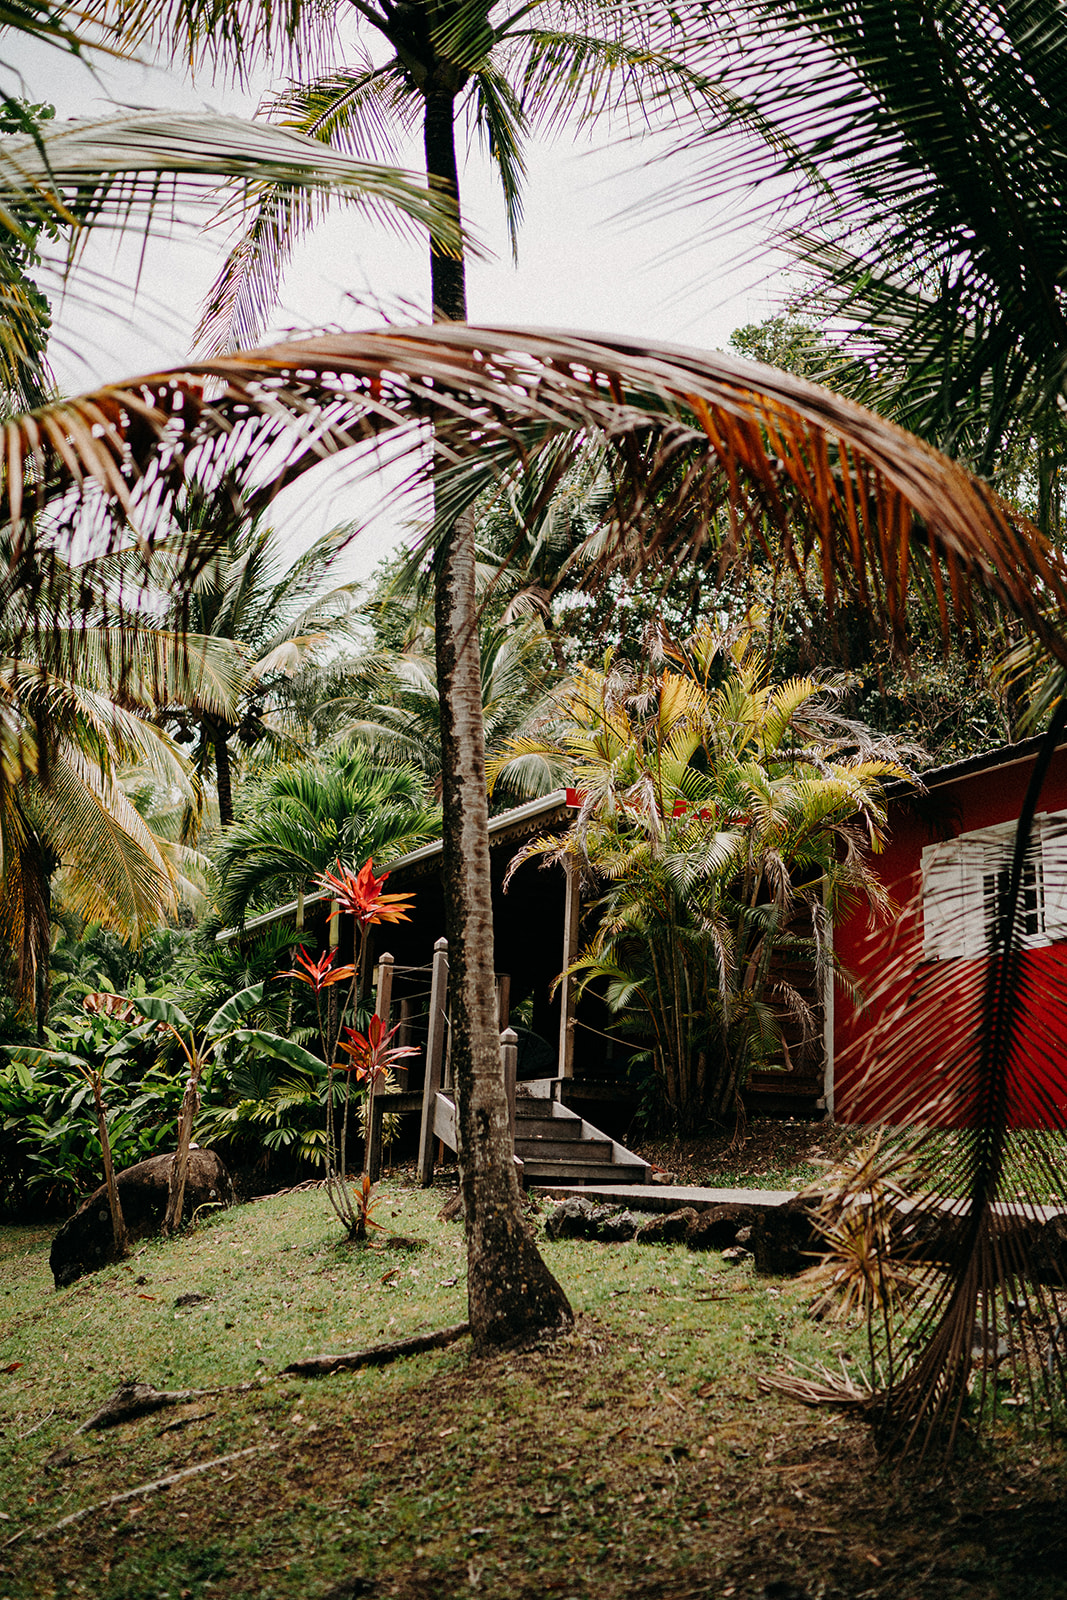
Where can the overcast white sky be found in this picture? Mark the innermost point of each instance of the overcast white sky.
(581, 264)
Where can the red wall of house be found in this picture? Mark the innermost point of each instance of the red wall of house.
(907, 1054)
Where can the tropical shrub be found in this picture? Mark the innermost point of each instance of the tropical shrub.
(50, 1149)
(727, 824)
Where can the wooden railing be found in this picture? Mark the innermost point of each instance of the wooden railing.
(435, 1100)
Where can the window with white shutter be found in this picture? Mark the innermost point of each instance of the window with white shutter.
(964, 881)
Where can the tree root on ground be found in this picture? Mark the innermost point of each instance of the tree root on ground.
(133, 1399)
(376, 1355)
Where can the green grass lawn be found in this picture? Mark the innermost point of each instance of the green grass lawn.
(634, 1457)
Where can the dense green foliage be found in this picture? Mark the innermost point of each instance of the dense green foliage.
(726, 823)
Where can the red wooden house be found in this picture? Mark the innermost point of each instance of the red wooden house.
(905, 1051)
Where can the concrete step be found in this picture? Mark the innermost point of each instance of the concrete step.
(563, 1149)
(595, 1173)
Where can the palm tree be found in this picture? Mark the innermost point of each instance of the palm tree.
(398, 714)
(279, 617)
(77, 704)
(721, 813)
(446, 53)
(878, 511)
(504, 68)
(928, 143)
(302, 820)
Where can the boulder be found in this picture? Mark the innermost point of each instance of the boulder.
(717, 1228)
(584, 1219)
(669, 1228)
(1049, 1254)
(619, 1227)
(85, 1242)
(785, 1239)
(573, 1219)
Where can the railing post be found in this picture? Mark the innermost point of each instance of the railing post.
(383, 1004)
(572, 910)
(435, 1055)
(503, 1000)
(509, 1060)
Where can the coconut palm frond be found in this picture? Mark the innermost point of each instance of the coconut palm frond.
(879, 510)
(155, 666)
(231, 38)
(342, 114)
(122, 879)
(111, 170)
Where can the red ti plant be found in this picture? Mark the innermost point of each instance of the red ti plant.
(359, 895)
(371, 1056)
(320, 975)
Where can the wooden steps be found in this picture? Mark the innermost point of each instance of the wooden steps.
(556, 1146)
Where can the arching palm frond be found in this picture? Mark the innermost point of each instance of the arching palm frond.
(883, 512)
(155, 666)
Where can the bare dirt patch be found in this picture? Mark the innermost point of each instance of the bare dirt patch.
(767, 1154)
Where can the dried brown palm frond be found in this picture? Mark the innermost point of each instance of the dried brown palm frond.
(819, 1386)
(865, 1266)
(883, 513)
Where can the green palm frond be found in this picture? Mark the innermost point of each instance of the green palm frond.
(232, 37)
(303, 820)
(112, 169)
(501, 124)
(122, 878)
(283, 212)
(931, 140)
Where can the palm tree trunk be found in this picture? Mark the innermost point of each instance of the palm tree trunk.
(223, 778)
(511, 1293)
(448, 276)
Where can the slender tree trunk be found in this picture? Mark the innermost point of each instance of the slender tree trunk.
(511, 1293)
(118, 1221)
(180, 1165)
